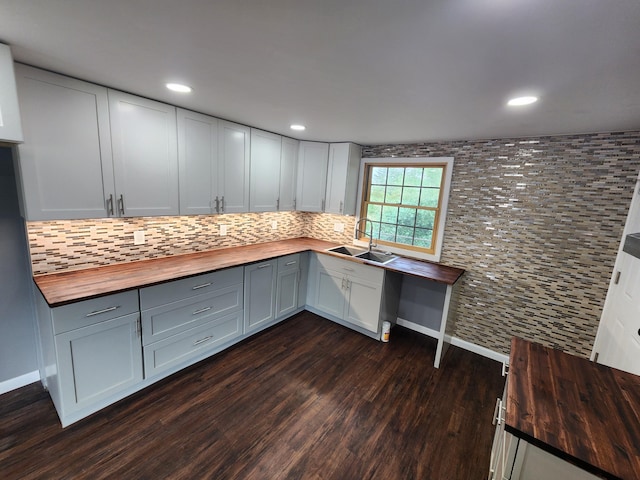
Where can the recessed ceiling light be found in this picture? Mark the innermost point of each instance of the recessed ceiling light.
(178, 87)
(519, 101)
(298, 127)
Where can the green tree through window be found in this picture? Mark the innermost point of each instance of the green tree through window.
(403, 202)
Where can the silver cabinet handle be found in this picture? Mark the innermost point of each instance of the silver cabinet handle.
(497, 413)
(110, 205)
(197, 287)
(322, 209)
(202, 310)
(294, 203)
(105, 310)
(264, 266)
(292, 262)
(202, 340)
(341, 203)
(222, 204)
(505, 369)
(348, 269)
(121, 204)
(217, 205)
(278, 204)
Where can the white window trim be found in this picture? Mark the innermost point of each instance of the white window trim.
(443, 211)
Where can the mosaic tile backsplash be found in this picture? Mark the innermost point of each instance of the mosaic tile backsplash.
(77, 244)
(536, 222)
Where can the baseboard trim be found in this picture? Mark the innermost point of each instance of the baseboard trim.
(458, 342)
(21, 381)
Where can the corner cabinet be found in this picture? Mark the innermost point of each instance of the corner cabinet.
(65, 165)
(91, 351)
(10, 126)
(145, 156)
(312, 176)
(342, 178)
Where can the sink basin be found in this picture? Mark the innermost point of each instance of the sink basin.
(377, 257)
(347, 250)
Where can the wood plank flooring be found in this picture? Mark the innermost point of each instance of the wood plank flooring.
(307, 399)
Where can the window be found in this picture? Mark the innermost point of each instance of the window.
(405, 199)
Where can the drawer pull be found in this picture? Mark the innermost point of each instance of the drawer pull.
(348, 269)
(292, 262)
(497, 413)
(202, 310)
(265, 265)
(202, 340)
(98, 312)
(201, 286)
(505, 369)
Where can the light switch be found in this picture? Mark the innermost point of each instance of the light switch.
(338, 227)
(274, 225)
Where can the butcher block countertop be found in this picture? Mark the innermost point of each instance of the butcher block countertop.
(581, 411)
(65, 287)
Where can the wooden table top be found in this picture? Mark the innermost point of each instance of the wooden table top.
(584, 412)
(66, 287)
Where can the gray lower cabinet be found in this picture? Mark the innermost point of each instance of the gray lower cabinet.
(185, 320)
(259, 294)
(287, 285)
(92, 354)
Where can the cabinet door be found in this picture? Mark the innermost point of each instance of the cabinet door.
(266, 150)
(98, 361)
(363, 306)
(198, 161)
(233, 170)
(259, 295)
(287, 285)
(342, 178)
(330, 292)
(312, 176)
(288, 174)
(145, 155)
(65, 164)
(10, 127)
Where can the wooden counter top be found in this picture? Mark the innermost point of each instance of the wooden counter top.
(584, 412)
(65, 287)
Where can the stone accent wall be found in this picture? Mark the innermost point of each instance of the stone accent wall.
(536, 222)
(76, 244)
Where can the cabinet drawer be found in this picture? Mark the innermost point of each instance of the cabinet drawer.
(348, 267)
(167, 320)
(188, 287)
(180, 348)
(289, 263)
(88, 312)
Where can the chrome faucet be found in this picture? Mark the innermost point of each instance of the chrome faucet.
(364, 232)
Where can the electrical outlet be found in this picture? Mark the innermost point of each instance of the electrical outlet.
(274, 225)
(223, 230)
(338, 227)
(138, 237)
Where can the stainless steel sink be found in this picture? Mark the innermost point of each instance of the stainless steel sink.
(377, 257)
(361, 253)
(347, 250)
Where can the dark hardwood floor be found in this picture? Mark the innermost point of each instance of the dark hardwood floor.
(307, 399)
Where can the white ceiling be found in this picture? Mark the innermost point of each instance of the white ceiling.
(369, 71)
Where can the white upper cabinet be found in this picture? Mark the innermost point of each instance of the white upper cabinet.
(65, 164)
(198, 160)
(145, 155)
(233, 172)
(288, 174)
(10, 127)
(266, 151)
(342, 178)
(312, 176)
